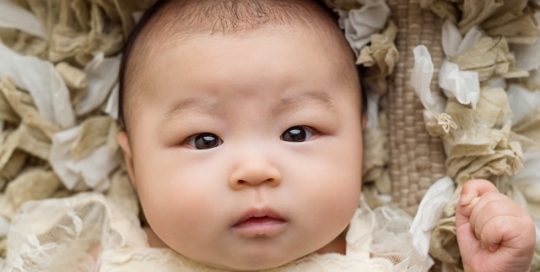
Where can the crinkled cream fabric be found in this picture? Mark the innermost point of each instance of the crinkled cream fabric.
(78, 30)
(489, 124)
(510, 19)
(59, 234)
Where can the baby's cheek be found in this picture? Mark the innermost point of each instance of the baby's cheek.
(330, 200)
(172, 203)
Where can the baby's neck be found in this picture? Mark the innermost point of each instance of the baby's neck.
(153, 239)
(338, 245)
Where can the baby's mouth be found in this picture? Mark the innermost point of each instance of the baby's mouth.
(262, 222)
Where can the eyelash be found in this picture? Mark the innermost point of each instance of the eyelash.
(313, 130)
(192, 137)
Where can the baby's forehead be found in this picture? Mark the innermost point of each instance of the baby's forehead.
(173, 21)
(170, 22)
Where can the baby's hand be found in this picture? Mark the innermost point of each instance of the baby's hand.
(494, 233)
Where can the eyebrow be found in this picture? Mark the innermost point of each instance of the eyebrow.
(190, 105)
(299, 100)
(284, 105)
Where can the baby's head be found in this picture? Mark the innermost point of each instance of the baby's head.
(243, 129)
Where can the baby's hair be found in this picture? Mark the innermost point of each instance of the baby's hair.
(167, 22)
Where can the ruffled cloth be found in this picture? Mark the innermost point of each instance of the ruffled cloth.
(508, 18)
(81, 29)
(34, 132)
(59, 234)
(485, 137)
(375, 178)
(490, 58)
(360, 24)
(381, 56)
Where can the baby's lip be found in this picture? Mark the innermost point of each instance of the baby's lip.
(259, 213)
(260, 222)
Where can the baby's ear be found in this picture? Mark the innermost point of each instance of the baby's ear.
(123, 142)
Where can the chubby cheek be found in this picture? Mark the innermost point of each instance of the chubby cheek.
(332, 189)
(178, 201)
(335, 198)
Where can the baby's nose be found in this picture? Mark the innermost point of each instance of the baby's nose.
(254, 173)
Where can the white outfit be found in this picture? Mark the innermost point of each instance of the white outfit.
(58, 234)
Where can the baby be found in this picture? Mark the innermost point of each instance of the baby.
(243, 138)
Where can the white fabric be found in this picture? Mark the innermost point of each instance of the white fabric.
(42, 81)
(498, 83)
(112, 102)
(522, 102)
(59, 234)
(527, 56)
(13, 16)
(530, 173)
(56, 234)
(102, 75)
(4, 226)
(429, 213)
(372, 109)
(360, 24)
(452, 41)
(451, 38)
(526, 186)
(473, 35)
(165, 260)
(89, 172)
(359, 236)
(463, 85)
(391, 240)
(421, 80)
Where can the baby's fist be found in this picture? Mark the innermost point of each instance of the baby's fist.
(494, 233)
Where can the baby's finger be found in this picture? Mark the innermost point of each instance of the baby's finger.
(494, 207)
(478, 204)
(506, 230)
(469, 198)
(494, 230)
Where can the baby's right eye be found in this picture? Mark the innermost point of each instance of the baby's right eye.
(204, 141)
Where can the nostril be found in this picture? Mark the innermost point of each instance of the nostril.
(244, 182)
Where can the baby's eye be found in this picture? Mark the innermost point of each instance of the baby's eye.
(297, 134)
(205, 141)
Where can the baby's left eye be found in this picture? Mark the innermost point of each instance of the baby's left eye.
(297, 134)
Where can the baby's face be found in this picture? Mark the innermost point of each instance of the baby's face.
(247, 150)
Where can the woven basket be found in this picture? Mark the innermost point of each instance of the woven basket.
(416, 158)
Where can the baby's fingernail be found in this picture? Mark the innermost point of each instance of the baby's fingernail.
(465, 200)
(493, 248)
(474, 201)
(462, 200)
(482, 245)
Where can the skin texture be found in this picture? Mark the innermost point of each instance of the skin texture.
(494, 233)
(248, 89)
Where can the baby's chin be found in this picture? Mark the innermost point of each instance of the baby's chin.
(254, 263)
(247, 264)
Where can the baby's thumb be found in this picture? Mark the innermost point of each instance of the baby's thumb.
(470, 194)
